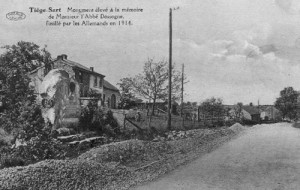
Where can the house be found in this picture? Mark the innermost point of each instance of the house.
(251, 113)
(111, 95)
(64, 86)
(270, 113)
(142, 103)
(90, 83)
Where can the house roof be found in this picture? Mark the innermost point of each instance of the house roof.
(109, 86)
(251, 110)
(272, 108)
(75, 64)
(229, 106)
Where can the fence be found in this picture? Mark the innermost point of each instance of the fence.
(141, 119)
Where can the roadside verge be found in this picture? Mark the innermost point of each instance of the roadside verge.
(117, 165)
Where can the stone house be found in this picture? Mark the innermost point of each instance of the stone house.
(251, 113)
(111, 95)
(90, 83)
(86, 77)
(270, 113)
(64, 86)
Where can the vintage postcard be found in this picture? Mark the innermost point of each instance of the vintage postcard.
(138, 94)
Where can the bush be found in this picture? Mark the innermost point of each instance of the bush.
(11, 161)
(36, 136)
(249, 122)
(65, 131)
(93, 118)
(38, 149)
(3, 143)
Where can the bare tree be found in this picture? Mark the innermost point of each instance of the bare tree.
(152, 83)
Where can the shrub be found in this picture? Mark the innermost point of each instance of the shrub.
(65, 131)
(39, 143)
(38, 149)
(11, 161)
(93, 118)
(249, 122)
(3, 143)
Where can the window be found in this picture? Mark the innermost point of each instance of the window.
(100, 82)
(95, 81)
(103, 101)
(80, 77)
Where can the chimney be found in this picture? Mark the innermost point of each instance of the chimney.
(64, 56)
(92, 69)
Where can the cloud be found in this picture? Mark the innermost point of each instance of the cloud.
(239, 69)
(289, 6)
(243, 42)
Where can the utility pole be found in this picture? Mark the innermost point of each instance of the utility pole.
(170, 71)
(182, 80)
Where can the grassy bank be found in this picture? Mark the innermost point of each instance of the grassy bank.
(117, 165)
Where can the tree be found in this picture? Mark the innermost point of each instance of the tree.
(237, 111)
(287, 103)
(152, 83)
(15, 64)
(213, 107)
(128, 98)
(22, 115)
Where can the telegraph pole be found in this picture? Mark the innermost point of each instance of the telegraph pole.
(182, 80)
(170, 71)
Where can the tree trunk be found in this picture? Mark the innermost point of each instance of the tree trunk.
(153, 106)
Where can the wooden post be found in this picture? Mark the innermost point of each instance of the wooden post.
(124, 121)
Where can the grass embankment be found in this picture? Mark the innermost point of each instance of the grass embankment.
(117, 165)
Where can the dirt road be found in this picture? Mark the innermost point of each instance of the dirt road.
(265, 157)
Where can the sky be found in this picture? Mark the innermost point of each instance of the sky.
(238, 50)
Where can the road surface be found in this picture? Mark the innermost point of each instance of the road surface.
(264, 157)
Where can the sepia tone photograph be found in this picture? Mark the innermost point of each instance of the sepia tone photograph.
(149, 95)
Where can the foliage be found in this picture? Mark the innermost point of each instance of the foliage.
(213, 107)
(15, 63)
(11, 161)
(22, 115)
(36, 135)
(93, 93)
(188, 107)
(287, 103)
(174, 109)
(41, 148)
(35, 138)
(93, 118)
(128, 98)
(237, 111)
(17, 95)
(152, 84)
